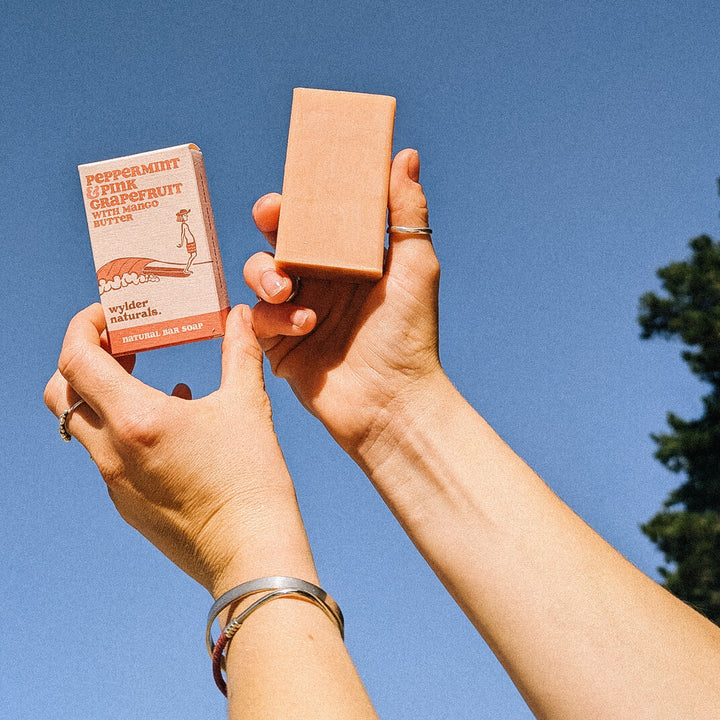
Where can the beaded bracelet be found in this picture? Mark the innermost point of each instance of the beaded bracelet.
(274, 587)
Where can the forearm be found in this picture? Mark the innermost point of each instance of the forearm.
(579, 629)
(206, 482)
(288, 658)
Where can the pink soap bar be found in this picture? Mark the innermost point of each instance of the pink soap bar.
(335, 189)
(155, 248)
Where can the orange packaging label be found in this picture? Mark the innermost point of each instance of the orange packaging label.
(155, 248)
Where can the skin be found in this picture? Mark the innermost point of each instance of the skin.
(371, 345)
(205, 481)
(582, 633)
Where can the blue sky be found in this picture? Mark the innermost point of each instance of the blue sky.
(569, 149)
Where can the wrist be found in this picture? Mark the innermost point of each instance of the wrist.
(400, 426)
(264, 540)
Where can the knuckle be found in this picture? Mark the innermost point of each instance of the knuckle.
(411, 204)
(72, 359)
(432, 268)
(142, 429)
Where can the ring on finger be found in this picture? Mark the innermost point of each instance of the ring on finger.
(402, 230)
(296, 285)
(64, 432)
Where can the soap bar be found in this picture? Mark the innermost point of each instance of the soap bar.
(335, 188)
(155, 248)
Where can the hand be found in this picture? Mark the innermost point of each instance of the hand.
(350, 351)
(204, 480)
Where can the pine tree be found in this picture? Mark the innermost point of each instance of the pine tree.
(687, 530)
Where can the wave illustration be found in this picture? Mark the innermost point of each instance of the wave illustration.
(121, 272)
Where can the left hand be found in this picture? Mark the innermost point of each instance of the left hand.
(204, 480)
(355, 353)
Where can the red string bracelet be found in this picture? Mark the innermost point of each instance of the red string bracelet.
(218, 654)
(217, 662)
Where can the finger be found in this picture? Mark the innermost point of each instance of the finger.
(82, 423)
(407, 203)
(242, 356)
(265, 280)
(59, 396)
(286, 319)
(182, 391)
(266, 214)
(95, 375)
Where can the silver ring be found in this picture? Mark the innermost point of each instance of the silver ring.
(296, 285)
(64, 433)
(402, 230)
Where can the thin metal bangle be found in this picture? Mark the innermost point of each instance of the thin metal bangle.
(229, 631)
(294, 586)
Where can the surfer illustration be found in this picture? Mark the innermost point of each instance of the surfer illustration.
(186, 238)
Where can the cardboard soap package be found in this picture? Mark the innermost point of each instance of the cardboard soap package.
(155, 247)
(335, 186)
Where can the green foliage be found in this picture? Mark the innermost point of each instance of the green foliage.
(692, 310)
(688, 530)
(692, 542)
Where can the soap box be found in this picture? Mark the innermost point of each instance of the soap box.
(155, 248)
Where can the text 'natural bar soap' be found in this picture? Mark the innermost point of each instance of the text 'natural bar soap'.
(155, 248)
(335, 189)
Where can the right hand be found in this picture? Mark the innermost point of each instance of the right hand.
(352, 351)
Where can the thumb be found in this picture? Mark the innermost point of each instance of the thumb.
(410, 254)
(242, 356)
(407, 203)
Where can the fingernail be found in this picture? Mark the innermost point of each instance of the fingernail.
(414, 166)
(271, 283)
(298, 318)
